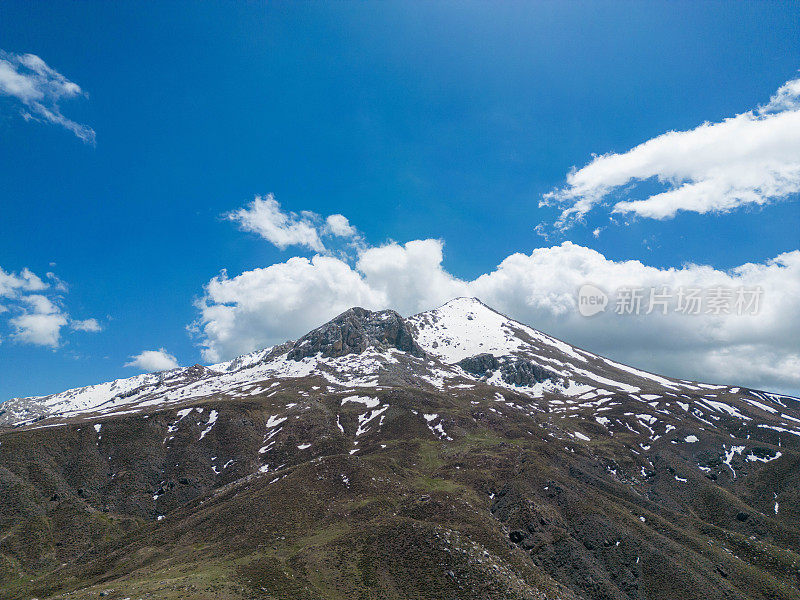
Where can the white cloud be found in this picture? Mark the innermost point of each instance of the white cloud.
(540, 289)
(25, 281)
(265, 217)
(283, 301)
(90, 325)
(40, 322)
(39, 329)
(786, 98)
(752, 158)
(267, 306)
(34, 308)
(153, 360)
(409, 277)
(58, 284)
(339, 226)
(39, 89)
(40, 304)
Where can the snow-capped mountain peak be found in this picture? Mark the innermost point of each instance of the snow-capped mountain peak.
(459, 345)
(464, 327)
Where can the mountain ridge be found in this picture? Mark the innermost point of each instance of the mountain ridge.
(454, 454)
(422, 324)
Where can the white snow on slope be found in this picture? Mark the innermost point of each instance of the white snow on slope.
(212, 419)
(367, 401)
(464, 327)
(461, 328)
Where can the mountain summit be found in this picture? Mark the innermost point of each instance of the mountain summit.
(453, 454)
(462, 340)
(354, 331)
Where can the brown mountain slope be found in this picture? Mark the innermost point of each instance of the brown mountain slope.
(378, 467)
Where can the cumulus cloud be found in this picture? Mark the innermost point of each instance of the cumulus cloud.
(153, 360)
(265, 306)
(40, 322)
(38, 89)
(410, 277)
(786, 98)
(34, 309)
(752, 158)
(339, 226)
(39, 329)
(540, 288)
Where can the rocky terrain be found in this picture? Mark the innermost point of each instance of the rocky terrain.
(455, 454)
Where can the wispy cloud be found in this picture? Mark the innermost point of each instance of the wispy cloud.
(39, 88)
(90, 325)
(11, 284)
(752, 158)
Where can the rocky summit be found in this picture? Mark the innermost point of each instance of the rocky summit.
(456, 454)
(353, 332)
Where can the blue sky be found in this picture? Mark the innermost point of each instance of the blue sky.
(415, 121)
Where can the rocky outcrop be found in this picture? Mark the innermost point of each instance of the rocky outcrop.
(354, 331)
(516, 371)
(480, 364)
(525, 373)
